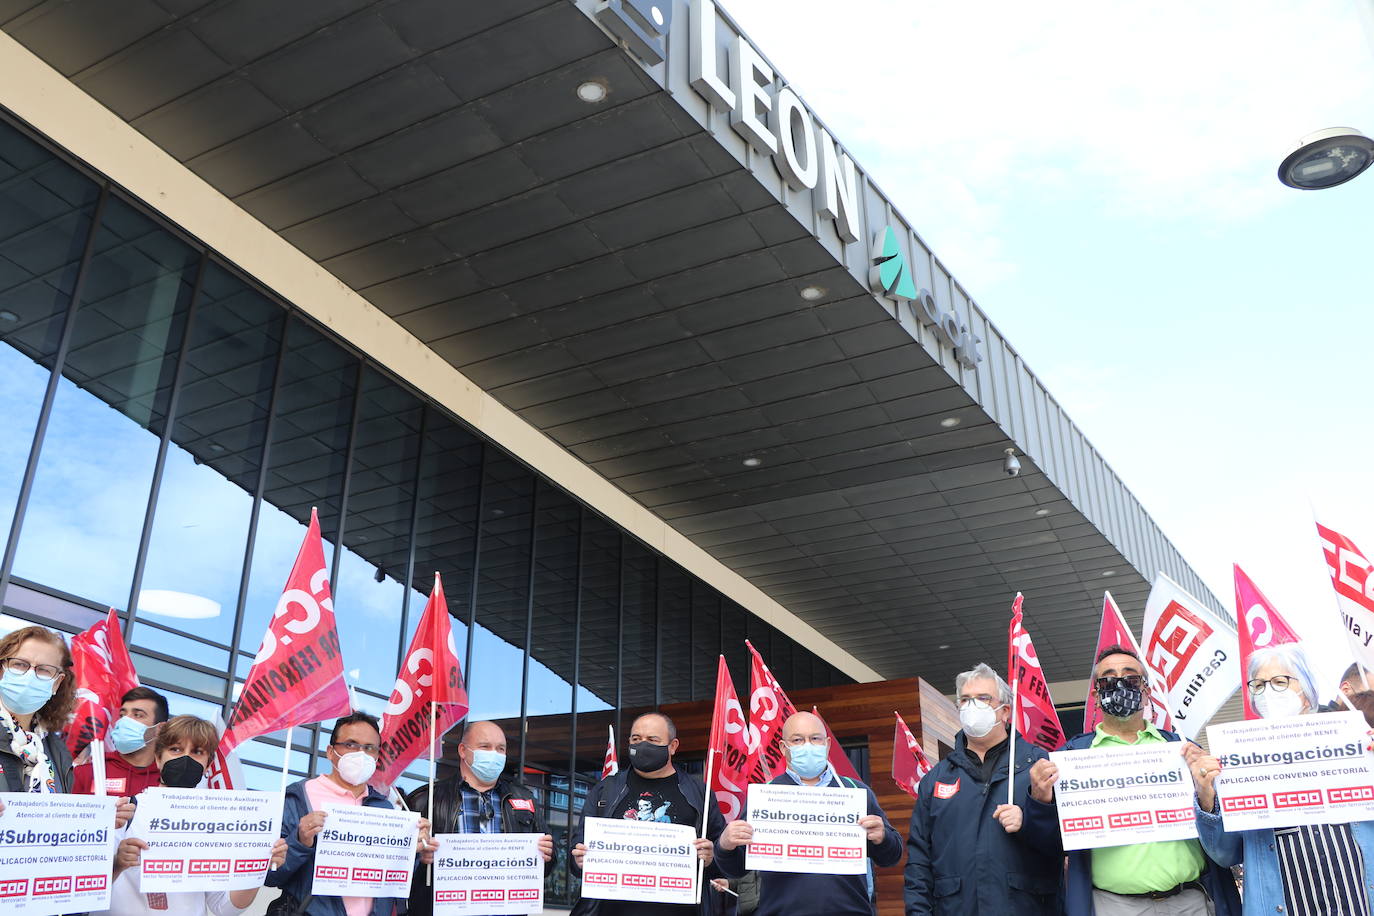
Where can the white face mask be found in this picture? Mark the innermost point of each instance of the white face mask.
(1278, 704)
(356, 768)
(978, 720)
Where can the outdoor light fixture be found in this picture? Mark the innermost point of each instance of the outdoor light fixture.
(812, 293)
(593, 91)
(752, 462)
(950, 422)
(1042, 512)
(944, 645)
(1108, 572)
(1327, 158)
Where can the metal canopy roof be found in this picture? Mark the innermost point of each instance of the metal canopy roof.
(618, 276)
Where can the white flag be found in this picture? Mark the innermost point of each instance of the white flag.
(1193, 656)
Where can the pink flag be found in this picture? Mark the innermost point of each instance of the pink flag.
(769, 707)
(431, 676)
(298, 676)
(1034, 716)
(1113, 631)
(611, 765)
(728, 749)
(1352, 576)
(1259, 626)
(839, 760)
(909, 762)
(103, 672)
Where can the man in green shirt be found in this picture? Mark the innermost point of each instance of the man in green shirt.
(1173, 877)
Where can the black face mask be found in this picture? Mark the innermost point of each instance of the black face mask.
(182, 772)
(648, 758)
(1119, 699)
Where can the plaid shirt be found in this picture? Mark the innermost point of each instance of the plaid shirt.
(480, 811)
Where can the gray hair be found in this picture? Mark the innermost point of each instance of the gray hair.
(1292, 657)
(981, 671)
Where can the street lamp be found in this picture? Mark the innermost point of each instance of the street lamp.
(1327, 158)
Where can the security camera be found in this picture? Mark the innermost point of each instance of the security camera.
(1010, 466)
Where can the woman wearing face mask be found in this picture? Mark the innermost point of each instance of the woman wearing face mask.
(37, 695)
(1299, 871)
(183, 748)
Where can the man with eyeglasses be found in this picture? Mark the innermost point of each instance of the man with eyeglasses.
(479, 799)
(352, 754)
(969, 851)
(807, 748)
(651, 788)
(1173, 877)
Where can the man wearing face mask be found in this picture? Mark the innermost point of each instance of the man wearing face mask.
(651, 786)
(132, 766)
(1173, 877)
(807, 746)
(480, 799)
(969, 852)
(352, 752)
(1310, 870)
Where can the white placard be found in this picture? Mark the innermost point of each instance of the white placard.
(365, 852)
(639, 860)
(488, 873)
(811, 829)
(205, 839)
(1114, 796)
(56, 853)
(1289, 772)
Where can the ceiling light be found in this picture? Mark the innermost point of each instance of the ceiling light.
(1042, 512)
(1108, 572)
(216, 447)
(812, 293)
(1327, 158)
(177, 604)
(8, 317)
(944, 645)
(950, 422)
(593, 91)
(752, 462)
(657, 15)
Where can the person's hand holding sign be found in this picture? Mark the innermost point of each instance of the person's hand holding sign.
(1204, 768)
(706, 850)
(546, 847)
(310, 826)
(739, 833)
(1043, 777)
(873, 827)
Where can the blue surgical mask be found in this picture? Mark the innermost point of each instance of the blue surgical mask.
(487, 765)
(808, 760)
(25, 694)
(129, 735)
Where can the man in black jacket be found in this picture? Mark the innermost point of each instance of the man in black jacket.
(651, 788)
(970, 852)
(480, 799)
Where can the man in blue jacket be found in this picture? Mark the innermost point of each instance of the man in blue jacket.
(807, 747)
(970, 853)
(1174, 877)
(353, 747)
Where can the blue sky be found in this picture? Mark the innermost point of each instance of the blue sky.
(1101, 177)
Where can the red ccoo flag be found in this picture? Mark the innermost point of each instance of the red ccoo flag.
(769, 707)
(611, 765)
(431, 676)
(103, 672)
(298, 676)
(1033, 712)
(1352, 576)
(729, 750)
(1113, 631)
(1258, 626)
(909, 763)
(839, 760)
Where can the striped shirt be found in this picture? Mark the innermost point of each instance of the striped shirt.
(1322, 870)
(479, 810)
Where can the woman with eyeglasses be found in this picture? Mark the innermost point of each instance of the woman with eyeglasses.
(37, 695)
(1299, 871)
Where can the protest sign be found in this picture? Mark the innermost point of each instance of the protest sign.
(488, 873)
(365, 852)
(56, 853)
(639, 860)
(807, 829)
(1123, 795)
(202, 840)
(1290, 772)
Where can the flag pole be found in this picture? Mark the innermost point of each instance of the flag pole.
(433, 715)
(97, 751)
(1011, 746)
(286, 758)
(705, 814)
